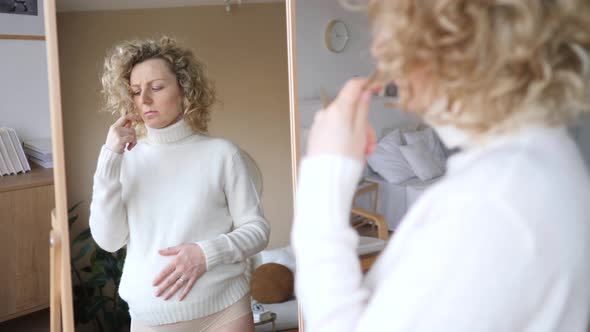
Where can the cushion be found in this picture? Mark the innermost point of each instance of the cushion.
(433, 143)
(272, 283)
(422, 161)
(388, 161)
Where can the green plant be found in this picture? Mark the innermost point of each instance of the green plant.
(95, 293)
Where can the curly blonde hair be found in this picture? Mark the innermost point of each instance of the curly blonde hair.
(197, 90)
(500, 63)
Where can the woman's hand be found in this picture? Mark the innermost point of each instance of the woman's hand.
(121, 133)
(343, 127)
(182, 273)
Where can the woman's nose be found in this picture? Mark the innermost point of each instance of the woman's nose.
(145, 98)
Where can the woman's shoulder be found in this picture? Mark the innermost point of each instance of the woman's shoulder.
(220, 145)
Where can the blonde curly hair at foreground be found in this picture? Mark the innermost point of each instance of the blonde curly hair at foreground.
(500, 63)
(197, 90)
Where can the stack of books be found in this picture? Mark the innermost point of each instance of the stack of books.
(39, 152)
(12, 156)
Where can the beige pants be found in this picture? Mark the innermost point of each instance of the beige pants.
(204, 324)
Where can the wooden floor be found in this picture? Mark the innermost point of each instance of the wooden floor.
(35, 322)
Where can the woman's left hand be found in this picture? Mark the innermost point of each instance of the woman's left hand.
(182, 273)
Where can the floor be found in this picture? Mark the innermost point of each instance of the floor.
(35, 322)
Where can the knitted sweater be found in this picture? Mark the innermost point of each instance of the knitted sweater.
(178, 187)
(500, 243)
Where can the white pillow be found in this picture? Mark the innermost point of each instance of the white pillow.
(388, 161)
(429, 137)
(420, 158)
(283, 256)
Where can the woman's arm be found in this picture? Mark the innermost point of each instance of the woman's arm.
(251, 230)
(328, 278)
(471, 266)
(108, 214)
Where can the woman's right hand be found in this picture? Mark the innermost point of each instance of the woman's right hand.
(122, 134)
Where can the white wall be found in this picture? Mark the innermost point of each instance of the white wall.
(318, 67)
(24, 96)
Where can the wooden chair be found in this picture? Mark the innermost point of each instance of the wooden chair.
(370, 247)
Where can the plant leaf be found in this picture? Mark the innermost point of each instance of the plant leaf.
(97, 280)
(83, 236)
(74, 207)
(85, 249)
(101, 301)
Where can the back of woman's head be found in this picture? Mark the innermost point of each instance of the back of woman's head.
(197, 90)
(500, 63)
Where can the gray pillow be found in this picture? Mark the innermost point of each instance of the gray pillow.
(422, 161)
(433, 143)
(388, 161)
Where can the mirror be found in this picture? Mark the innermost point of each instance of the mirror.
(151, 212)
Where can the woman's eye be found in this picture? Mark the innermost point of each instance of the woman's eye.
(156, 88)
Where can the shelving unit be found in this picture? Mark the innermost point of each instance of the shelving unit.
(26, 201)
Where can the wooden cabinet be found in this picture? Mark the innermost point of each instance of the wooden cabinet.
(26, 201)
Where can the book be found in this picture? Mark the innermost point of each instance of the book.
(6, 157)
(20, 151)
(42, 163)
(18, 166)
(38, 155)
(40, 145)
(3, 167)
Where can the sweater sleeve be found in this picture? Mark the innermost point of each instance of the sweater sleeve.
(108, 214)
(464, 270)
(250, 232)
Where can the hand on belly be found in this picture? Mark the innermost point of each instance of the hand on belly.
(188, 265)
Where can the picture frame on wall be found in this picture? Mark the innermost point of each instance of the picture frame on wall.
(21, 19)
(19, 7)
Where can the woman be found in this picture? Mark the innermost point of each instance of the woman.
(501, 243)
(181, 201)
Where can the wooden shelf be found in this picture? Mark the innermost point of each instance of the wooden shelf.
(38, 176)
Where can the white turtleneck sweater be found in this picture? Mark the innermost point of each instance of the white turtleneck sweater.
(178, 187)
(501, 243)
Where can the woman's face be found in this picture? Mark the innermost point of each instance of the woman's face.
(156, 94)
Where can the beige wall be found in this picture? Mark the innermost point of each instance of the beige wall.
(247, 58)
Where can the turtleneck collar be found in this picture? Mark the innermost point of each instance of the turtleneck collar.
(173, 133)
(471, 148)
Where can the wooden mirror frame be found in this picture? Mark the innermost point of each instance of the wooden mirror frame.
(293, 108)
(60, 298)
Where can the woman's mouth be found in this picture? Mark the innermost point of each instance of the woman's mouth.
(148, 113)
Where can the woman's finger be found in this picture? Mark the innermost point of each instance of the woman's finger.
(349, 96)
(181, 281)
(132, 145)
(170, 251)
(168, 282)
(361, 116)
(371, 140)
(164, 273)
(187, 288)
(123, 119)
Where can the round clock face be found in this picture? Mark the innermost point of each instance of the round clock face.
(336, 36)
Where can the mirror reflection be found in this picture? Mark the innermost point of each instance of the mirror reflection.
(176, 128)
